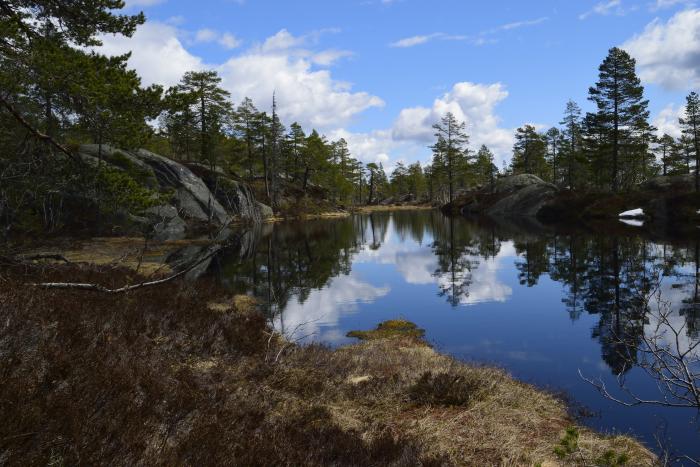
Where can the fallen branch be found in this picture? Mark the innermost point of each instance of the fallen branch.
(39, 135)
(126, 288)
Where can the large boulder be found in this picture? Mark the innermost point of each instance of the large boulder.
(670, 182)
(191, 196)
(198, 195)
(521, 195)
(235, 196)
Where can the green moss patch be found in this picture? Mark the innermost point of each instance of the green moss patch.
(391, 328)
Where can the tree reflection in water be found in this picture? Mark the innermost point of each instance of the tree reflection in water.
(608, 275)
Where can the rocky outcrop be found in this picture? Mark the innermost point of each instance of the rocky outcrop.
(521, 195)
(684, 182)
(198, 196)
(524, 194)
(234, 195)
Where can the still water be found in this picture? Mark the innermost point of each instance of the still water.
(546, 306)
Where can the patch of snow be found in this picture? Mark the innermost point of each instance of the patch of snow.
(632, 222)
(639, 212)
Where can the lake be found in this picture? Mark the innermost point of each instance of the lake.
(547, 306)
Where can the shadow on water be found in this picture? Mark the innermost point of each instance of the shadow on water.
(542, 303)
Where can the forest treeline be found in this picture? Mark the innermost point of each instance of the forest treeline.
(57, 92)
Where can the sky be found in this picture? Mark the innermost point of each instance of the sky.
(379, 73)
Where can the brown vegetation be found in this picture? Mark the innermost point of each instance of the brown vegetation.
(185, 375)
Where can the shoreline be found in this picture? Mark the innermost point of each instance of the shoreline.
(386, 398)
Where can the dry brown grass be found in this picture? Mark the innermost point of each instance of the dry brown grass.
(183, 375)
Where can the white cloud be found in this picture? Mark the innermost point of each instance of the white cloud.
(667, 121)
(157, 53)
(206, 35)
(308, 93)
(414, 40)
(662, 4)
(669, 53)
(611, 7)
(228, 41)
(479, 39)
(305, 93)
(470, 102)
(283, 40)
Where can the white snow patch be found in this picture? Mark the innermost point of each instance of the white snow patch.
(632, 222)
(639, 212)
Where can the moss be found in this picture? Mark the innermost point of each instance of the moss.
(391, 328)
(145, 177)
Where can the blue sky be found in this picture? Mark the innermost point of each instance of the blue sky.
(379, 72)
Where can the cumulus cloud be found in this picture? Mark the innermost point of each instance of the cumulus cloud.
(666, 122)
(470, 102)
(156, 53)
(310, 96)
(307, 94)
(668, 53)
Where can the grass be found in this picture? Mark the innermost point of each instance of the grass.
(185, 375)
(391, 328)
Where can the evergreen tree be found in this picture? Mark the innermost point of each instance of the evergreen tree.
(485, 168)
(244, 126)
(668, 154)
(450, 149)
(690, 124)
(529, 152)
(572, 135)
(554, 143)
(199, 102)
(622, 110)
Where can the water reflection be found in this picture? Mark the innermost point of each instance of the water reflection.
(514, 291)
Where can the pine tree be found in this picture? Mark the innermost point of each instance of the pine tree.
(572, 135)
(529, 152)
(622, 109)
(450, 148)
(244, 126)
(485, 168)
(554, 144)
(691, 130)
(665, 148)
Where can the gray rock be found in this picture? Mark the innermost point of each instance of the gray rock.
(665, 182)
(265, 210)
(193, 195)
(526, 194)
(516, 182)
(190, 193)
(236, 197)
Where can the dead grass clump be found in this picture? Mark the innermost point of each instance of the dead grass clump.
(391, 328)
(444, 389)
